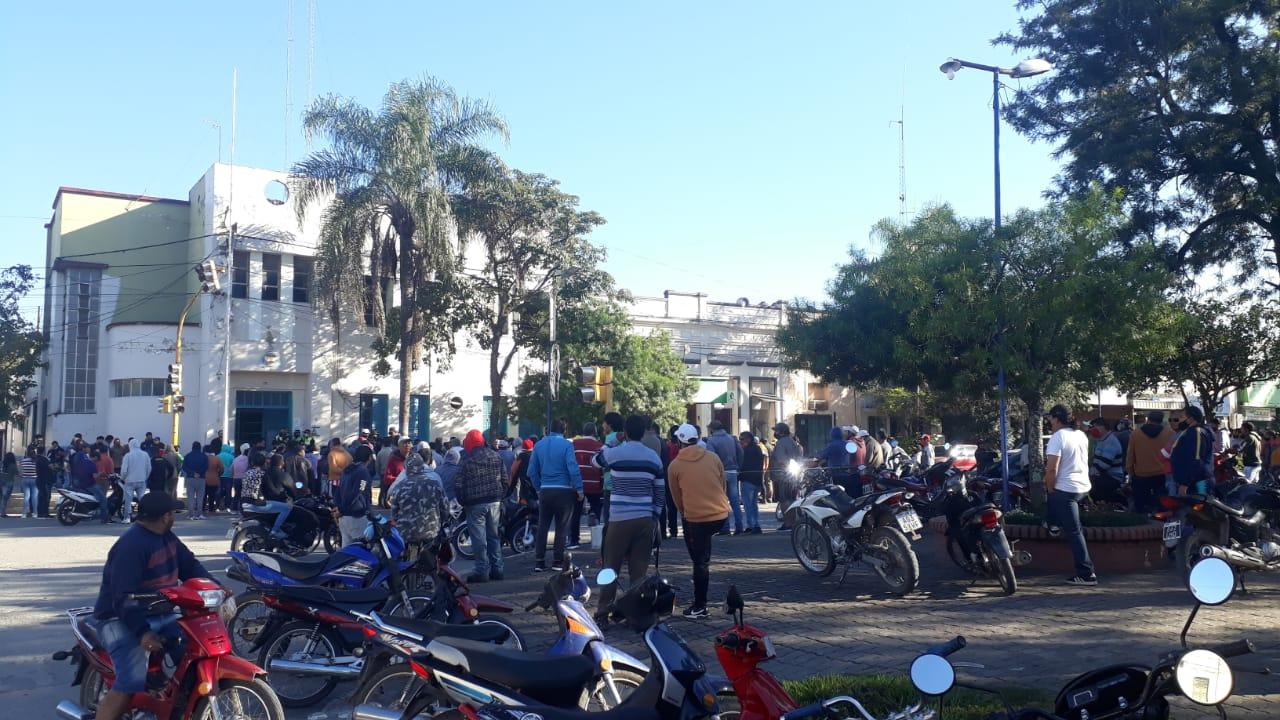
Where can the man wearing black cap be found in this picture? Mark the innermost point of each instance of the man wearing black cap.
(1066, 480)
(146, 558)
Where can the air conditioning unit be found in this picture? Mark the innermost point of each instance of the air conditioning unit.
(817, 406)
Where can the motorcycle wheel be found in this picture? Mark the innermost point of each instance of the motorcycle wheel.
(461, 540)
(957, 555)
(311, 642)
(251, 538)
(419, 607)
(92, 688)
(1187, 553)
(1003, 569)
(903, 567)
(395, 687)
(64, 512)
(240, 699)
(514, 641)
(730, 706)
(522, 536)
(813, 548)
(600, 699)
(247, 623)
(332, 539)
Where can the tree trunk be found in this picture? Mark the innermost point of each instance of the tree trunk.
(495, 389)
(408, 327)
(1035, 450)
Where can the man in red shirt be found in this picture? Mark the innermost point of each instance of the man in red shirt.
(585, 447)
(395, 465)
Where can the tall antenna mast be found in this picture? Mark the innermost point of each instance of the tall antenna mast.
(902, 163)
(288, 80)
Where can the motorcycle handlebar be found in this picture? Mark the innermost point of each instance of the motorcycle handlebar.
(1243, 646)
(956, 643)
(808, 711)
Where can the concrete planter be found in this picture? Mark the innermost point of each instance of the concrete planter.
(1113, 549)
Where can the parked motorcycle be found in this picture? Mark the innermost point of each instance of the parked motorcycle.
(741, 649)
(493, 684)
(388, 687)
(77, 505)
(309, 522)
(831, 528)
(1244, 526)
(1125, 691)
(518, 526)
(975, 536)
(207, 683)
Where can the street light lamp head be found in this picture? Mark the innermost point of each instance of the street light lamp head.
(1030, 67)
(950, 68)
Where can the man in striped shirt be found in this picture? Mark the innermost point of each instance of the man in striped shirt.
(637, 499)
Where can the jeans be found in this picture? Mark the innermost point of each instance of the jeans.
(554, 505)
(1251, 472)
(751, 504)
(670, 521)
(195, 497)
(1146, 488)
(735, 503)
(224, 493)
(61, 479)
(133, 492)
(630, 540)
(29, 493)
(483, 522)
(697, 538)
(104, 510)
(6, 490)
(44, 492)
(282, 513)
(575, 523)
(352, 528)
(128, 659)
(1064, 511)
(595, 506)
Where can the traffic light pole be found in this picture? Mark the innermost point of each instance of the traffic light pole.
(177, 359)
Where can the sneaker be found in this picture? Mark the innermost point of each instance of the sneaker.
(1083, 581)
(557, 566)
(476, 577)
(738, 532)
(755, 531)
(572, 546)
(723, 532)
(495, 575)
(695, 612)
(539, 567)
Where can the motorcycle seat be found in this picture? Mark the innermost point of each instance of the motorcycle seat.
(333, 596)
(839, 500)
(968, 515)
(533, 674)
(289, 567)
(430, 629)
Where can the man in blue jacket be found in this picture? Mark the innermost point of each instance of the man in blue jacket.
(1192, 454)
(553, 469)
(726, 447)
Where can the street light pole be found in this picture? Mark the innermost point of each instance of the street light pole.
(1026, 68)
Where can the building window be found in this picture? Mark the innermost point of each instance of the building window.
(764, 403)
(420, 417)
(302, 267)
(80, 346)
(270, 276)
(373, 413)
(138, 387)
(240, 274)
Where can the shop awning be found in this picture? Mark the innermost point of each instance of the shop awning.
(712, 392)
(765, 397)
(1261, 395)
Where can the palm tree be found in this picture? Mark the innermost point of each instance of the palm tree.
(387, 178)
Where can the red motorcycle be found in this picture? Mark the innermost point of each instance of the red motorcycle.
(208, 681)
(741, 649)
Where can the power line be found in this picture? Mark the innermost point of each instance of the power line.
(141, 247)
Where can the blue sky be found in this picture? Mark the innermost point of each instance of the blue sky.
(735, 148)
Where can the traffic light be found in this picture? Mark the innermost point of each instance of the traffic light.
(175, 378)
(207, 271)
(179, 403)
(595, 384)
(166, 404)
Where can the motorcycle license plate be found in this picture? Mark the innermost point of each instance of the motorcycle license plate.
(1172, 531)
(909, 521)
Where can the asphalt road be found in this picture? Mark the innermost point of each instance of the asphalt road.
(1041, 637)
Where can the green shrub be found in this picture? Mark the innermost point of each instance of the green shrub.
(881, 694)
(1094, 518)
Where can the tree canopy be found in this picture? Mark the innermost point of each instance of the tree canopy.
(1177, 103)
(20, 343)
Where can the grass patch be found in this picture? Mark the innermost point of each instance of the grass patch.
(1087, 519)
(882, 694)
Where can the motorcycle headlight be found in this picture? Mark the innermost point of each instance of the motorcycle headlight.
(212, 598)
(794, 468)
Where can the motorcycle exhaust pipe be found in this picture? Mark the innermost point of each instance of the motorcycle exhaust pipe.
(1233, 557)
(68, 710)
(373, 712)
(343, 671)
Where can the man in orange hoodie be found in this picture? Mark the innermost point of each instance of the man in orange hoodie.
(697, 482)
(1146, 464)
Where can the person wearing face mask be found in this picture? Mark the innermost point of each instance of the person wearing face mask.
(1192, 454)
(1108, 461)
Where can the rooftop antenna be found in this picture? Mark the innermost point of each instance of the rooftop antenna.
(901, 122)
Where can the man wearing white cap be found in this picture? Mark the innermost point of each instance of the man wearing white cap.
(875, 454)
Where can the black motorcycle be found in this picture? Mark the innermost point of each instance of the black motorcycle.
(77, 505)
(1241, 527)
(309, 523)
(518, 527)
(975, 535)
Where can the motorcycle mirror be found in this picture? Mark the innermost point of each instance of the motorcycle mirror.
(568, 561)
(1212, 581)
(1204, 677)
(851, 447)
(733, 601)
(932, 674)
(607, 576)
